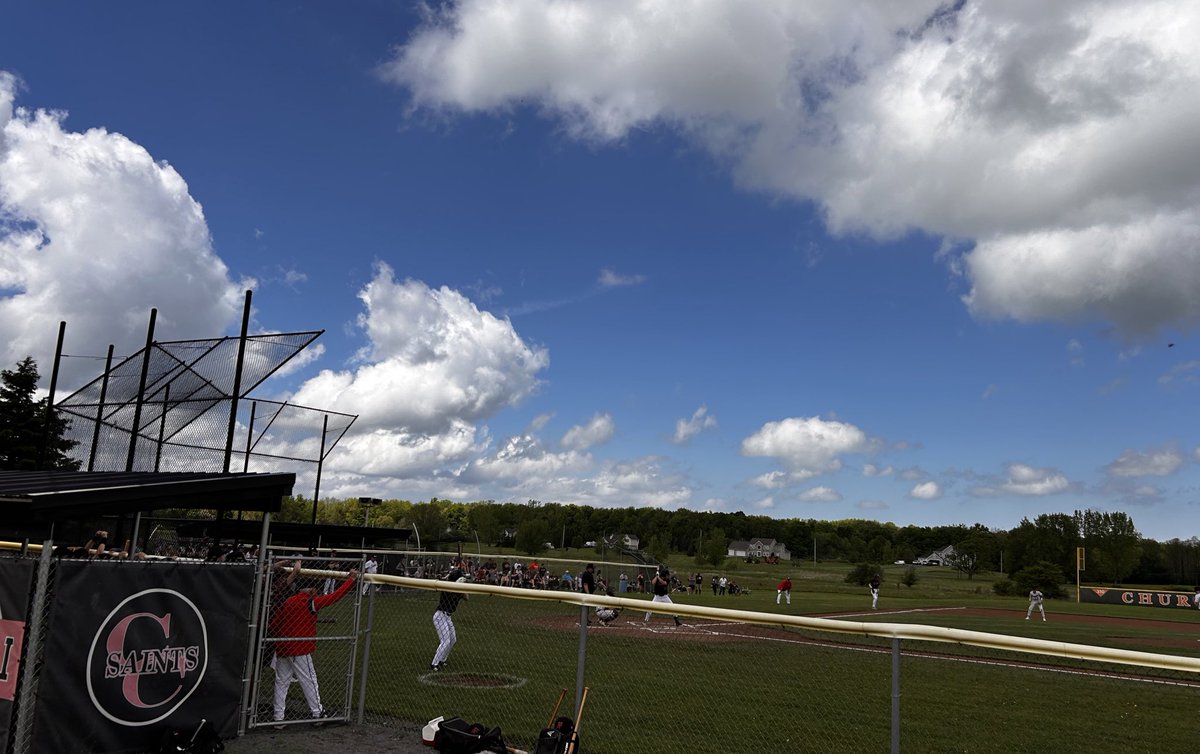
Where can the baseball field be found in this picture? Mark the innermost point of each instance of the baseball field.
(720, 686)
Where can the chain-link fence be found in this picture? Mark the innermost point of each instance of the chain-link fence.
(402, 650)
(304, 667)
(29, 577)
(167, 408)
(734, 681)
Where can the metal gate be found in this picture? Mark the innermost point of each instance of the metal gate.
(303, 669)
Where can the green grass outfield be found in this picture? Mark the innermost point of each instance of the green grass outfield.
(715, 687)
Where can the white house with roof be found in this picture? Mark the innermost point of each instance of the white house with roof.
(758, 547)
(629, 541)
(944, 556)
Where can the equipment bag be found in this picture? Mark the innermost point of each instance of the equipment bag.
(559, 738)
(457, 736)
(201, 739)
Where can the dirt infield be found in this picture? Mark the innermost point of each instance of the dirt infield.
(1108, 628)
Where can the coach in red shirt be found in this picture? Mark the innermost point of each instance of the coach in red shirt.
(295, 624)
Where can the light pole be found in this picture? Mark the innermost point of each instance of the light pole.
(367, 504)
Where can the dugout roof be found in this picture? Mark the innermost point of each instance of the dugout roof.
(49, 496)
(300, 535)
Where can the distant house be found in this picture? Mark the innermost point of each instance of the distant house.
(628, 541)
(944, 556)
(758, 548)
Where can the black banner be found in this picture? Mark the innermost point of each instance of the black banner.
(135, 648)
(16, 583)
(1137, 597)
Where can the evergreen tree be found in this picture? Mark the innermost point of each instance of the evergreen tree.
(23, 427)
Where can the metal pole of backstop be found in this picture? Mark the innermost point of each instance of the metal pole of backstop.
(320, 463)
(237, 384)
(141, 394)
(49, 415)
(896, 696)
(579, 665)
(100, 409)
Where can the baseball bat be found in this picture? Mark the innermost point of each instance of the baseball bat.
(578, 721)
(557, 705)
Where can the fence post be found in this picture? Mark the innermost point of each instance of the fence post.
(262, 578)
(366, 654)
(39, 606)
(579, 676)
(895, 695)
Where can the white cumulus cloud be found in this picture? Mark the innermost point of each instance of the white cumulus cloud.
(598, 430)
(686, 429)
(820, 495)
(807, 446)
(95, 231)
(433, 359)
(1056, 145)
(926, 491)
(1024, 480)
(435, 367)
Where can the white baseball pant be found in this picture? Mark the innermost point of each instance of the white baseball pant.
(301, 669)
(444, 625)
(660, 598)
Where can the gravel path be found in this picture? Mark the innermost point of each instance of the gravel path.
(329, 740)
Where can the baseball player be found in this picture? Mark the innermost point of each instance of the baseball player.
(1035, 601)
(874, 587)
(784, 589)
(661, 586)
(442, 622)
(296, 623)
(606, 615)
(371, 566)
(1196, 598)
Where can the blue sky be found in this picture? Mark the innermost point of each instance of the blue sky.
(830, 260)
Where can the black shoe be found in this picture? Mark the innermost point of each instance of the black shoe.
(678, 623)
(435, 668)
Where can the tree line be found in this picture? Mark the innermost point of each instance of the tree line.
(1114, 551)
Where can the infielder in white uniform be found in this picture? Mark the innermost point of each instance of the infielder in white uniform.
(1035, 601)
(874, 587)
(443, 623)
